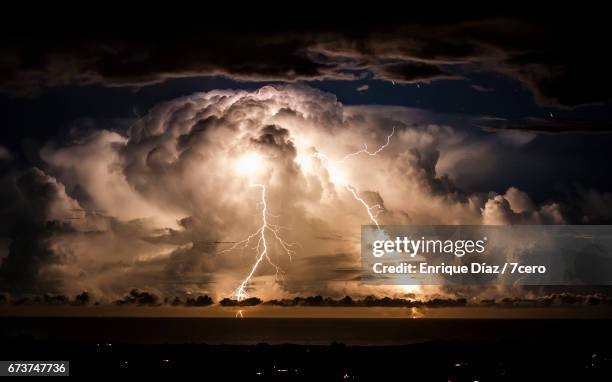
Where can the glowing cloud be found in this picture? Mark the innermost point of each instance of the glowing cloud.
(209, 194)
(250, 164)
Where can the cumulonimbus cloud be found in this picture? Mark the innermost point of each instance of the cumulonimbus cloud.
(153, 207)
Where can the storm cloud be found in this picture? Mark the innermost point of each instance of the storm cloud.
(155, 207)
(558, 59)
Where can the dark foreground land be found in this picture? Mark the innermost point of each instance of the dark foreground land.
(574, 350)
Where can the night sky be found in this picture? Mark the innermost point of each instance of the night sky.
(500, 120)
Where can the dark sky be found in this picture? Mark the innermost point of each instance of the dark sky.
(541, 78)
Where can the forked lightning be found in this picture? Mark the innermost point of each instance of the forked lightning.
(250, 164)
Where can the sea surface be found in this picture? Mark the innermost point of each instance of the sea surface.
(313, 331)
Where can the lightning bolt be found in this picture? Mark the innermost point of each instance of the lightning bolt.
(364, 150)
(262, 245)
(374, 210)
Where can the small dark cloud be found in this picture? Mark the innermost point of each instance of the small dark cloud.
(251, 301)
(204, 300)
(413, 72)
(136, 297)
(82, 299)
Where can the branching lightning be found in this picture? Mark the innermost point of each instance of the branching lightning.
(262, 245)
(251, 164)
(364, 149)
(374, 210)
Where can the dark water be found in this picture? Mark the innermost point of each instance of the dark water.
(303, 331)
